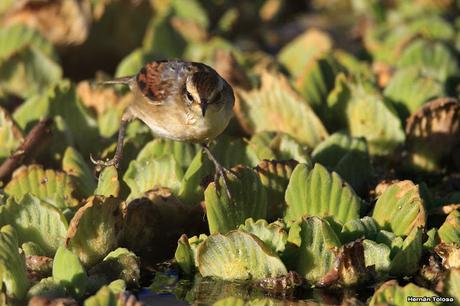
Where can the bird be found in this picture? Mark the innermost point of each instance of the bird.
(178, 100)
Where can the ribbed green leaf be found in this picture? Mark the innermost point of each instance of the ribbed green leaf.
(49, 185)
(449, 232)
(147, 173)
(185, 254)
(275, 175)
(348, 156)
(357, 228)
(410, 88)
(406, 261)
(238, 256)
(108, 184)
(104, 297)
(13, 274)
(68, 271)
(37, 221)
(400, 208)
(378, 256)
(93, 231)
(75, 166)
(392, 294)
(297, 54)
(452, 286)
(320, 193)
(316, 254)
(10, 135)
(276, 107)
(249, 200)
(274, 235)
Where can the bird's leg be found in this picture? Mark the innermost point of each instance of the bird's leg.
(115, 161)
(220, 171)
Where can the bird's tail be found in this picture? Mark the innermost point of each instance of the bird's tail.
(123, 80)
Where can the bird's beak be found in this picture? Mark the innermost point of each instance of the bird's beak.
(204, 105)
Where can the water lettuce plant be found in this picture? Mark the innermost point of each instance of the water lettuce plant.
(344, 149)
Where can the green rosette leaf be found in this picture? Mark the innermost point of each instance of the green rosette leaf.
(410, 88)
(238, 256)
(249, 200)
(354, 229)
(449, 232)
(49, 185)
(75, 166)
(10, 135)
(359, 107)
(377, 257)
(93, 231)
(13, 272)
(316, 254)
(185, 254)
(393, 294)
(48, 287)
(276, 146)
(146, 174)
(348, 156)
(400, 208)
(68, 271)
(309, 45)
(407, 258)
(318, 192)
(434, 58)
(274, 176)
(108, 184)
(275, 106)
(452, 284)
(274, 235)
(36, 221)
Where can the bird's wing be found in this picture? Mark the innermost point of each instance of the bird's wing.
(156, 81)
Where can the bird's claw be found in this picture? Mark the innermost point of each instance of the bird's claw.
(101, 164)
(223, 173)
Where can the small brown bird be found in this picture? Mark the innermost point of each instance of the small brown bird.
(183, 101)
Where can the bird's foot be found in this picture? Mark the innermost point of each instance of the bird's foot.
(101, 164)
(224, 173)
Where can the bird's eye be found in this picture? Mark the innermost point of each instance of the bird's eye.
(189, 96)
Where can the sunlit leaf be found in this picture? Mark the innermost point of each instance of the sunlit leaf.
(108, 184)
(49, 185)
(276, 107)
(449, 232)
(10, 135)
(93, 231)
(68, 271)
(75, 166)
(393, 294)
(238, 256)
(400, 208)
(318, 192)
(37, 221)
(249, 200)
(274, 235)
(12, 265)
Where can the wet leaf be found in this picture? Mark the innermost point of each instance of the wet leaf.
(249, 200)
(12, 265)
(49, 185)
(36, 221)
(305, 48)
(244, 257)
(276, 107)
(317, 192)
(400, 208)
(94, 229)
(75, 166)
(68, 271)
(274, 235)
